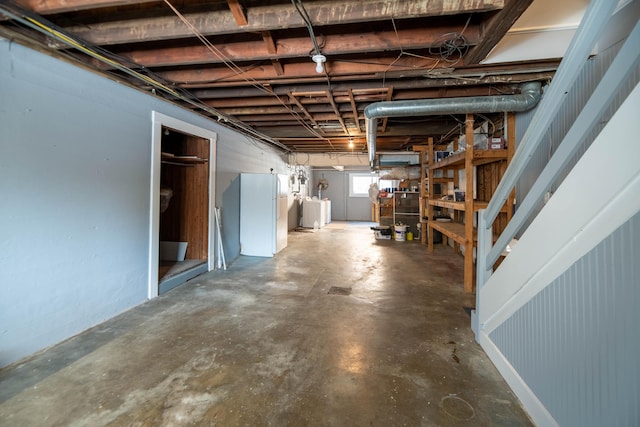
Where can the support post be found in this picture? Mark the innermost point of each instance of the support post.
(468, 206)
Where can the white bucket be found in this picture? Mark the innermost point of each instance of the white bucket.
(401, 232)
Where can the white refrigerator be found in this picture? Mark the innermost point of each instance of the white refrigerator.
(263, 213)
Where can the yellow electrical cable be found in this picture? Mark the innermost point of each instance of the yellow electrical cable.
(96, 55)
(71, 42)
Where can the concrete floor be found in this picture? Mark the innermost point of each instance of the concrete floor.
(265, 343)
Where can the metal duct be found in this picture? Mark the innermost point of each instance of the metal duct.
(527, 99)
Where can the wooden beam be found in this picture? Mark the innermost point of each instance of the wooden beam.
(272, 119)
(296, 71)
(256, 110)
(468, 205)
(480, 75)
(306, 113)
(267, 49)
(267, 37)
(386, 119)
(430, 192)
(275, 17)
(238, 12)
(62, 6)
(354, 109)
(277, 66)
(495, 30)
(336, 111)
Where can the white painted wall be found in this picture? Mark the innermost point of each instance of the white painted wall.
(543, 31)
(343, 207)
(75, 159)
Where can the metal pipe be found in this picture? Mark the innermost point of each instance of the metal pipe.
(529, 96)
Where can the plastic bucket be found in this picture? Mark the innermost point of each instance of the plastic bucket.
(401, 232)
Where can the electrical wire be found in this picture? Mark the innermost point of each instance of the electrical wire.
(302, 11)
(41, 25)
(445, 47)
(239, 71)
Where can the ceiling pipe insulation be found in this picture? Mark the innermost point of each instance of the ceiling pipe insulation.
(529, 96)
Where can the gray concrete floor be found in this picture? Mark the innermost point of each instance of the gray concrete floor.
(266, 343)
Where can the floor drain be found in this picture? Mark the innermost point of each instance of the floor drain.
(336, 290)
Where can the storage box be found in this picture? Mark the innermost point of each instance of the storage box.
(496, 143)
(173, 251)
(382, 232)
(380, 236)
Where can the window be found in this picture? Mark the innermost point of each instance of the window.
(359, 184)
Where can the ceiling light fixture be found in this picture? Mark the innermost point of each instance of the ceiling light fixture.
(319, 59)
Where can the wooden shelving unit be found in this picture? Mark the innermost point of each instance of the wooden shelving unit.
(424, 190)
(385, 211)
(461, 229)
(406, 209)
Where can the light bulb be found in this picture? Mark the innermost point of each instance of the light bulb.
(319, 59)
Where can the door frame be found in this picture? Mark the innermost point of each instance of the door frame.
(159, 121)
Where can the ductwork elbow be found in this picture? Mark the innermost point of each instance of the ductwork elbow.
(528, 97)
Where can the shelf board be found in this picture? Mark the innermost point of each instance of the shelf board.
(480, 157)
(460, 206)
(442, 180)
(454, 230)
(182, 160)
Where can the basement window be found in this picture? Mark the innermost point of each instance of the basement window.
(359, 184)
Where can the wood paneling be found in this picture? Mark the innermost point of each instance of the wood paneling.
(187, 217)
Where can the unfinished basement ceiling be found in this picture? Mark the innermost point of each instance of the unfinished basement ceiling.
(249, 63)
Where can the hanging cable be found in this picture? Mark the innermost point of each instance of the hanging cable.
(302, 11)
(237, 70)
(43, 26)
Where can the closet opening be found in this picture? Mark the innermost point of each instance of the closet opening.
(182, 203)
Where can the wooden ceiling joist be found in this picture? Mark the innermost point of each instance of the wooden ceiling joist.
(274, 17)
(257, 67)
(336, 111)
(298, 70)
(61, 6)
(354, 110)
(386, 119)
(285, 48)
(304, 110)
(238, 12)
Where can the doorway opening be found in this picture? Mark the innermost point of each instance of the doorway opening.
(182, 203)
